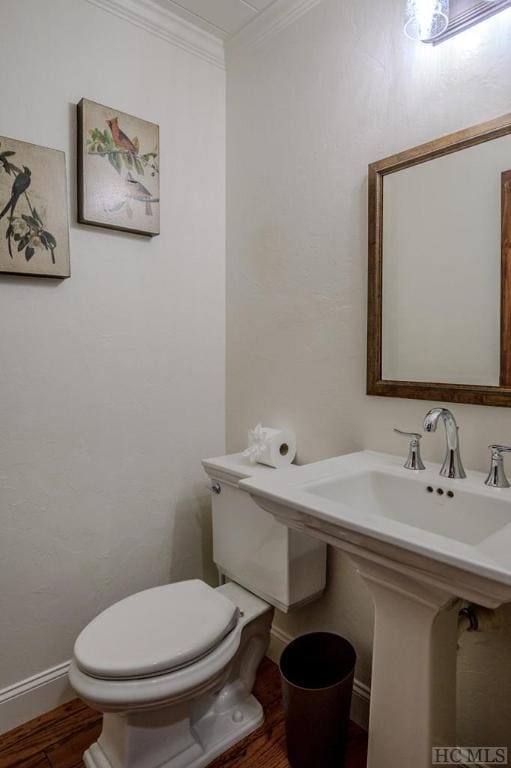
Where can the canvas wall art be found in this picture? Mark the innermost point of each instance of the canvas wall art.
(34, 229)
(118, 170)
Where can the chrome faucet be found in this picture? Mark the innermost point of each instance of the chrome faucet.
(452, 466)
(497, 475)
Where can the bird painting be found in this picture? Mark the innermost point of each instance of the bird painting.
(20, 185)
(119, 170)
(34, 232)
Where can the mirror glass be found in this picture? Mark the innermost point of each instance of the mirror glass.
(441, 267)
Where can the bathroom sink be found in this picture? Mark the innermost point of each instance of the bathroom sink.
(421, 543)
(419, 518)
(444, 510)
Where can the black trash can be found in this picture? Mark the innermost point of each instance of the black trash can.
(317, 682)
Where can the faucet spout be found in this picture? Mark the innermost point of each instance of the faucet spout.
(452, 466)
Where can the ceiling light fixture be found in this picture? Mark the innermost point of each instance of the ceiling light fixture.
(426, 19)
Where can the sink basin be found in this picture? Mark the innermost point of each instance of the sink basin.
(421, 543)
(423, 503)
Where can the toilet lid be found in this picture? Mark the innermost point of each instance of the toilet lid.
(155, 631)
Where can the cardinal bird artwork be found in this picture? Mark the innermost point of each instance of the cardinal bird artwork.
(121, 140)
(119, 172)
(34, 230)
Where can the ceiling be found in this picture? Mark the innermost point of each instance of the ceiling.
(223, 18)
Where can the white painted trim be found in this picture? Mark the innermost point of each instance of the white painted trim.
(150, 16)
(176, 30)
(360, 704)
(33, 696)
(361, 692)
(197, 19)
(267, 24)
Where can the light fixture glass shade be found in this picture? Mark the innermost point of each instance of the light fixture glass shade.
(426, 19)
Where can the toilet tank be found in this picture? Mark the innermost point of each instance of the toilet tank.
(285, 568)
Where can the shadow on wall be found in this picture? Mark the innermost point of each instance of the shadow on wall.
(484, 683)
(26, 281)
(192, 539)
(345, 608)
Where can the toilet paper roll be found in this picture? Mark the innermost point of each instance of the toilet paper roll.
(272, 447)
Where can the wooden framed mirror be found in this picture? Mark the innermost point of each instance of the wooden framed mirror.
(439, 298)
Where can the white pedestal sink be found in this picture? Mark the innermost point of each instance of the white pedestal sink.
(421, 542)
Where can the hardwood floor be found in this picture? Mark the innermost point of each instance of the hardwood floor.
(59, 738)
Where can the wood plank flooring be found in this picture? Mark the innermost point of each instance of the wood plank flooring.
(58, 739)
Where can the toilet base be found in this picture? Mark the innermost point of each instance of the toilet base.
(126, 742)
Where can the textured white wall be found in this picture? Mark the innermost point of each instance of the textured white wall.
(306, 113)
(112, 382)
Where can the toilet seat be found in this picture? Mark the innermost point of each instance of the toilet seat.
(183, 684)
(155, 632)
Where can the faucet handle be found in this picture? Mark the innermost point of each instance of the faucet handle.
(414, 460)
(497, 475)
(413, 435)
(498, 448)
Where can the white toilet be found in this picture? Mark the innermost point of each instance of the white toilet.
(172, 668)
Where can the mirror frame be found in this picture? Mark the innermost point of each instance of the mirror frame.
(420, 390)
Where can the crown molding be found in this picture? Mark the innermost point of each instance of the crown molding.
(272, 21)
(167, 25)
(194, 18)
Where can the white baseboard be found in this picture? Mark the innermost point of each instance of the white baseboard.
(361, 692)
(46, 690)
(34, 696)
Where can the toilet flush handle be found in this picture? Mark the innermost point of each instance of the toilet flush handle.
(215, 488)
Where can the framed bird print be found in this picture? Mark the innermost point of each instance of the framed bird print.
(34, 228)
(118, 170)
